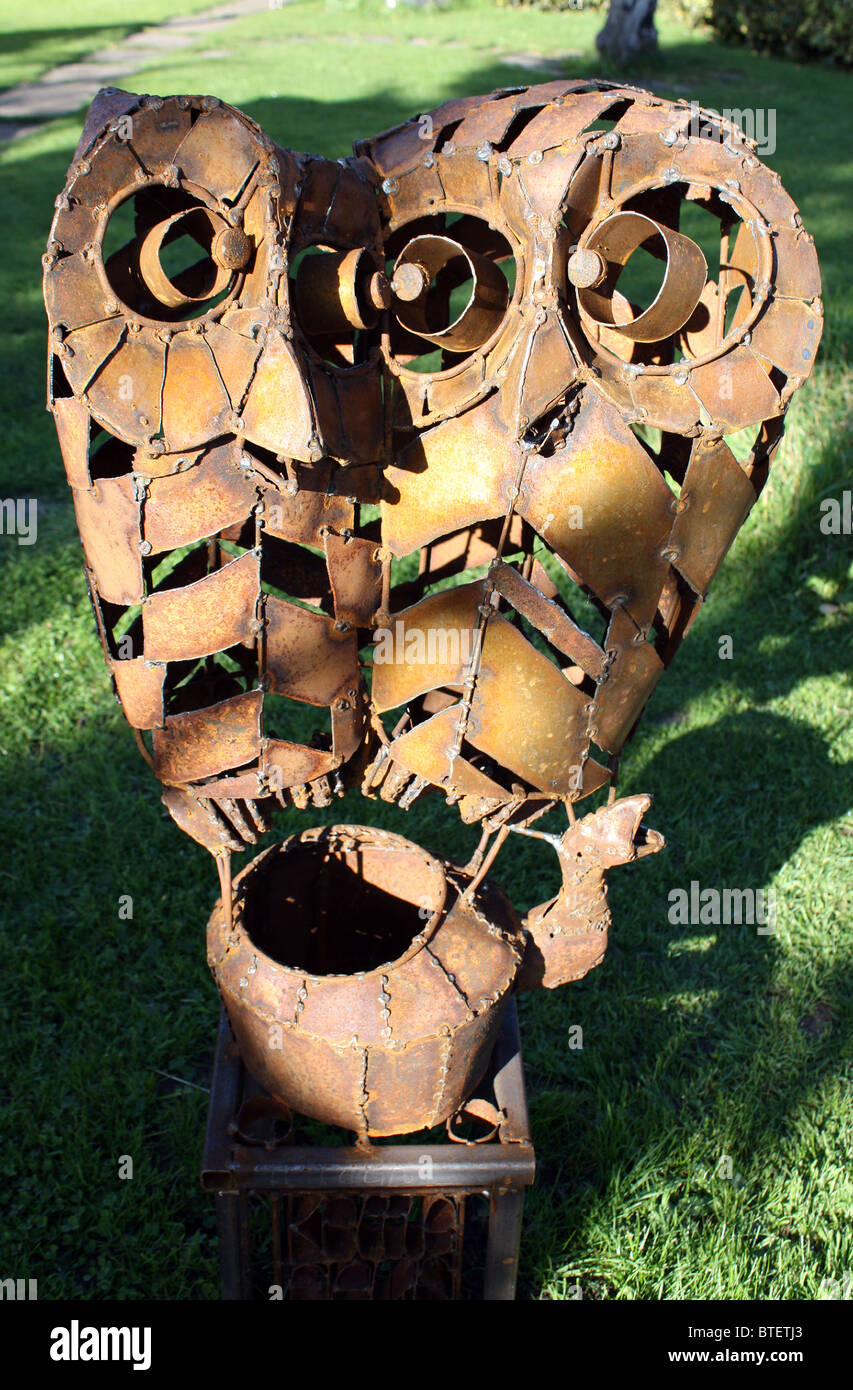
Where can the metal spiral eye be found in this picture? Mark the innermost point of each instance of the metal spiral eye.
(199, 282)
(608, 250)
(426, 273)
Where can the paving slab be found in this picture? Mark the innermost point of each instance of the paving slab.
(65, 89)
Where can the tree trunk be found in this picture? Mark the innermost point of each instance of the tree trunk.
(630, 29)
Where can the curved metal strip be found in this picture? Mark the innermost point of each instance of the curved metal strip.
(684, 275)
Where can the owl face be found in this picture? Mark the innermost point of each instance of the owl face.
(441, 444)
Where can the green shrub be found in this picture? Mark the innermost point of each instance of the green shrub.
(820, 30)
(799, 29)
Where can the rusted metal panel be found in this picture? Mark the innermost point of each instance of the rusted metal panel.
(156, 133)
(235, 357)
(787, 337)
(463, 387)
(736, 393)
(551, 620)
(419, 184)
(352, 216)
(212, 495)
(601, 504)
(108, 520)
(277, 412)
(294, 764)
(319, 181)
(201, 743)
(350, 406)
(72, 426)
(348, 723)
(219, 152)
(209, 616)
(127, 391)
(307, 656)
(139, 682)
(424, 500)
(108, 105)
(355, 572)
(633, 670)
(489, 121)
(89, 347)
(519, 688)
(545, 368)
(544, 185)
(715, 500)
(74, 298)
(305, 513)
(428, 645)
(201, 819)
(465, 178)
(426, 751)
(191, 417)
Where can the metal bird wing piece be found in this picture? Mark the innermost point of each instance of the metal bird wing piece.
(411, 471)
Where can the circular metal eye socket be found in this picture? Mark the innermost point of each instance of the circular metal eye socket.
(611, 244)
(426, 273)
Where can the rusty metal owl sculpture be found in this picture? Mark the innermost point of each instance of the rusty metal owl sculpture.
(391, 485)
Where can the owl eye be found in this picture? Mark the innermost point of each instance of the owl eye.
(225, 250)
(452, 297)
(674, 293)
(169, 257)
(451, 278)
(595, 270)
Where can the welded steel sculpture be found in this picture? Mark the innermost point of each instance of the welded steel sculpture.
(376, 458)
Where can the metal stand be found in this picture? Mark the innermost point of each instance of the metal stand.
(384, 1221)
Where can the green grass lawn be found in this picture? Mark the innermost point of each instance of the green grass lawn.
(700, 1045)
(57, 33)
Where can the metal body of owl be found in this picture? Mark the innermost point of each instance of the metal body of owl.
(257, 443)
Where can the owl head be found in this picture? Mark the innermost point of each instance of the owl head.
(412, 470)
